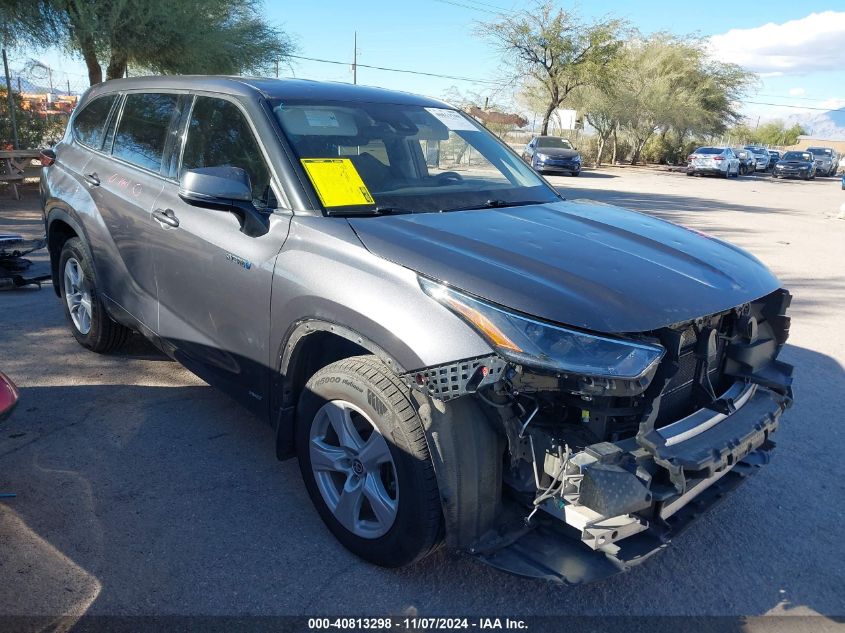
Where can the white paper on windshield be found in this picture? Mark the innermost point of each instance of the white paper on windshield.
(451, 119)
(321, 118)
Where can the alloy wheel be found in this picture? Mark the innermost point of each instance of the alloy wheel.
(78, 295)
(353, 469)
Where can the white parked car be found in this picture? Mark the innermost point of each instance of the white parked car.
(721, 161)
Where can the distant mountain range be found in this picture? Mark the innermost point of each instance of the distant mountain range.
(827, 125)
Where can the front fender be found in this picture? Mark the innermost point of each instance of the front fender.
(324, 274)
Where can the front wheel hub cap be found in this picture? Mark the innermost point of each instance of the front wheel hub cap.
(354, 469)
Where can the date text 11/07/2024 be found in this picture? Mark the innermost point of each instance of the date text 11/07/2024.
(416, 623)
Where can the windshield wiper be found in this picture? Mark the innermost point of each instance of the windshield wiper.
(495, 204)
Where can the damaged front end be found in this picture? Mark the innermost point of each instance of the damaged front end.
(602, 470)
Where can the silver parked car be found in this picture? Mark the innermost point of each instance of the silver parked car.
(826, 160)
(761, 154)
(552, 154)
(450, 349)
(719, 161)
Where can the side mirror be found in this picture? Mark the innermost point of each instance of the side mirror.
(224, 188)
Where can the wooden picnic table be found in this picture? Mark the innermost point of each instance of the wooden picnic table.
(15, 162)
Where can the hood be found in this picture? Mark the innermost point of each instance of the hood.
(582, 264)
(557, 152)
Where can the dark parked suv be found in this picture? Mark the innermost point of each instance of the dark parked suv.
(451, 350)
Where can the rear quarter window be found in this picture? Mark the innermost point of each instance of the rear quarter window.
(142, 130)
(90, 122)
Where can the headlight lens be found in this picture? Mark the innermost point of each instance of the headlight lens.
(577, 159)
(530, 342)
(541, 157)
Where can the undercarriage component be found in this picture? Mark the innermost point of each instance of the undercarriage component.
(551, 550)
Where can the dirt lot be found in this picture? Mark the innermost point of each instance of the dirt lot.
(143, 491)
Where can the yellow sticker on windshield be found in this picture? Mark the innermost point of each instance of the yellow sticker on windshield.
(337, 182)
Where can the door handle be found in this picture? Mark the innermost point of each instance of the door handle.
(166, 216)
(92, 179)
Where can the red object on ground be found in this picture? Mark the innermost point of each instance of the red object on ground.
(8, 396)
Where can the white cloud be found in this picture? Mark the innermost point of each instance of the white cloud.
(832, 104)
(797, 92)
(812, 43)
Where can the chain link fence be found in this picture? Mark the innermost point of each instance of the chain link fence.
(42, 100)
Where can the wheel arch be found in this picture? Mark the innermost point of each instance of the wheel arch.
(61, 226)
(308, 346)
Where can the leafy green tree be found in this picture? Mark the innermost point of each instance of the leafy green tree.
(202, 36)
(671, 88)
(34, 130)
(556, 52)
(770, 133)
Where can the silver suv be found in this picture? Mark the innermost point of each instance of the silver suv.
(450, 349)
(826, 160)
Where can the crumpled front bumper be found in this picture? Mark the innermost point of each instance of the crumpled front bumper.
(706, 461)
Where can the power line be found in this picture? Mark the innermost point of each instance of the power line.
(483, 6)
(761, 94)
(400, 70)
(784, 105)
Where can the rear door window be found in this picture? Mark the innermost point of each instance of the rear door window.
(219, 136)
(90, 122)
(142, 131)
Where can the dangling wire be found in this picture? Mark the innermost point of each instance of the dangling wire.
(558, 481)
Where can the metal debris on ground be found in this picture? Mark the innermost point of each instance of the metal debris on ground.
(13, 247)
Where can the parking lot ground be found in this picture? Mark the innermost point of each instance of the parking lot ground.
(141, 490)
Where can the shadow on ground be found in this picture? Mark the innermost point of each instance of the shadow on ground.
(171, 499)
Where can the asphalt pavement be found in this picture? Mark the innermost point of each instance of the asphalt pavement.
(141, 490)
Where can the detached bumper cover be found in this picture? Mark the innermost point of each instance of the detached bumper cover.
(706, 464)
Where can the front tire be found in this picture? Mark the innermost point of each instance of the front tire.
(364, 458)
(91, 325)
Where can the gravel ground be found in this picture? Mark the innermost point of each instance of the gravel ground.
(141, 490)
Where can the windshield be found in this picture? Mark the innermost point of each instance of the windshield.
(818, 151)
(709, 150)
(797, 156)
(368, 158)
(553, 142)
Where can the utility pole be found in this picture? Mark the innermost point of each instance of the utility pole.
(277, 69)
(355, 58)
(11, 100)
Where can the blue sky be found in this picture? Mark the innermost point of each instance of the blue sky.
(799, 53)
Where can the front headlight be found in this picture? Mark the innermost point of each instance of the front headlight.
(541, 157)
(577, 159)
(526, 341)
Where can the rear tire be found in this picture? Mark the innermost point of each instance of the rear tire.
(387, 512)
(91, 325)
